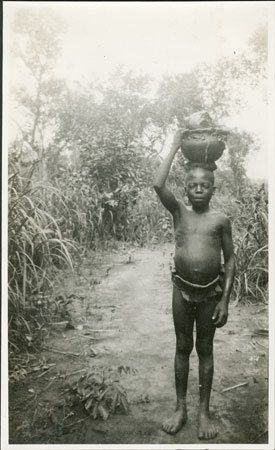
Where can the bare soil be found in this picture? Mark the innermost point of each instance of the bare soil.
(120, 309)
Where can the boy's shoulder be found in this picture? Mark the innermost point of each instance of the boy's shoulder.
(221, 217)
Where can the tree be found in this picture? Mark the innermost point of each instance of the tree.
(232, 173)
(37, 46)
(178, 96)
(224, 84)
(258, 42)
(102, 127)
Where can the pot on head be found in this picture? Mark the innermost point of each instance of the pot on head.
(203, 146)
(203, 141)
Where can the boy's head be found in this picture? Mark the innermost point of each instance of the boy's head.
(199, 186)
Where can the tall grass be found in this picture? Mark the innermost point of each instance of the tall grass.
(148, 221)
(36, 247)
(249, 218)
(251, 246)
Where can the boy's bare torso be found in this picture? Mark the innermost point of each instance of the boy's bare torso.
(198, 239)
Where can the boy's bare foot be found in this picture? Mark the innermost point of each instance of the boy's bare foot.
(176, 421)
(206, 429)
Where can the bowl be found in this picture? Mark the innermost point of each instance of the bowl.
(203, 146)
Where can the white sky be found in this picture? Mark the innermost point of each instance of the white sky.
(157, 38)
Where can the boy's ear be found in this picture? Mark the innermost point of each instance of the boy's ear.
(214, 189)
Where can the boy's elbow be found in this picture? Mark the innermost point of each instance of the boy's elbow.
(156, 186)
(158, 189)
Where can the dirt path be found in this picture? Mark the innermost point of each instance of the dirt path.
(132, 305)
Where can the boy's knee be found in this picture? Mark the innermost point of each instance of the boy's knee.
(184, 345)
(204, 348)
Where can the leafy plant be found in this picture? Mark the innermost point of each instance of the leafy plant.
(101, 393)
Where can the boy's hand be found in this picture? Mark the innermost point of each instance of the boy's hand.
(220, 314)
(177, 141)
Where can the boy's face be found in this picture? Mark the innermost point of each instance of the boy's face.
(199, 187)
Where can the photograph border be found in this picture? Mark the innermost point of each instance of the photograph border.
(271, 189)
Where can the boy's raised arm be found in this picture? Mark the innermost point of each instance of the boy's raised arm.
(167, 198)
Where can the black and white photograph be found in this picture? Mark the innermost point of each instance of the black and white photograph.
(138, 167)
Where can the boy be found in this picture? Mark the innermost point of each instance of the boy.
(200, 234)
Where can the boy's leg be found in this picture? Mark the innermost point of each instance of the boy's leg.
(204, 346)
(183, 315)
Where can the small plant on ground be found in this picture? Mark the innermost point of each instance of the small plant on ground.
(100, 392)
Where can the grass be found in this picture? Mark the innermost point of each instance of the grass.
(251, 247)
(249, 218)
(36, 248)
